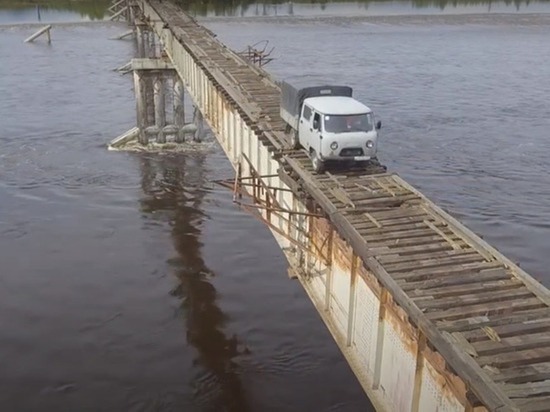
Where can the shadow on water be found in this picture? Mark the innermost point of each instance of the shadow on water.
(174, 190)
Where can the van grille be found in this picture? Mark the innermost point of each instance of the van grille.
(351, 152)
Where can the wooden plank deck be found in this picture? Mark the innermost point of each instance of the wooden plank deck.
(486, 316)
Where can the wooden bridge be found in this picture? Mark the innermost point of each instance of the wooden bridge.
(429, 316)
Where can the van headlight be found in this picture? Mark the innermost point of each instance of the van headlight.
(370, 143)
(334, 145)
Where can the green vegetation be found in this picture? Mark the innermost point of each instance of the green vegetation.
(229, 7)
(91, 9)
(97, 9)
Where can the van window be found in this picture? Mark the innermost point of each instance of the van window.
(317, 118)
(349, 123)
(307, 112)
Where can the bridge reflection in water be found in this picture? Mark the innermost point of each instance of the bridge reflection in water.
(173, 189)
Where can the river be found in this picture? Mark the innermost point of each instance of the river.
(130, 282)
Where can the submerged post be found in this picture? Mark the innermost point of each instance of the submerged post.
(40, 32)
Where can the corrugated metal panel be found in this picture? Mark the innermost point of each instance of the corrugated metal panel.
(367, 309)
(398, 369)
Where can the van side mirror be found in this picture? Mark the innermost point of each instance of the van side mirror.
(315, 124)
(378, 124)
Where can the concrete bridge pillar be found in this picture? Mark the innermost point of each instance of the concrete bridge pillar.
(198, 121)
(179, 109)
(141, 106)
(160, 106)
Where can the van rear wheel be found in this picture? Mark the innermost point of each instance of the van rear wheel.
(318, 164)
(294, 140)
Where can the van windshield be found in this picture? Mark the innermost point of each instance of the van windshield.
(349, 123)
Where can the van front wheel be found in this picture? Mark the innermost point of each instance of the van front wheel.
(318, 164)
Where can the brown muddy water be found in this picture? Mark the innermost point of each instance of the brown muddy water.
(130, 282)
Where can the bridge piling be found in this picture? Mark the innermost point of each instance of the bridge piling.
(160, 106)
(141, 110)
(179, 109)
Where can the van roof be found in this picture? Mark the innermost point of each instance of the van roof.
(336, 105)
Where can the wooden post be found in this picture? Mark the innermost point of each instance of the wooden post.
(179, 108)
(160, 109)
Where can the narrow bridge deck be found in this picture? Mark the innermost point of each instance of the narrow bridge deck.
(483, 303)
(488, 318)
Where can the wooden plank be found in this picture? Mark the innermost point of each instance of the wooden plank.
(341, 195)
(505, 331)
(513, 343)
(485, 309)
(487, 297)
(457, 258)
(476, 323)
(483, 276)
(413, 250)
(372, 219)
(518, 358)
(405, 242)
(461, 342)
(366, 224)
(468, 268)
(366, 205)
(432, 295)
(538, 404)
(406, 234)
(524, 390)
(523, 374)
(400, 212)
(441, 251)
(442, 234)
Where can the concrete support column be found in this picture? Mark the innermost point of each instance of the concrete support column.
(179, 108)
(140, 38)
(160, 108)
(197, 119)
(149, 99)
(141, 109)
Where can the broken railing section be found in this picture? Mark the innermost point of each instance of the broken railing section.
(121, 9)
(43, 30)
(257, 56)
(253, 194)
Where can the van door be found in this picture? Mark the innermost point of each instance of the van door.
(304, 126)
(315, 133)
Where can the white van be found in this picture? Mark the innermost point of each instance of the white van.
(331, 125)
